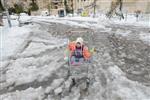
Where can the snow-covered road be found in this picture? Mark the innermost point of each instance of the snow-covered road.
(38, 71)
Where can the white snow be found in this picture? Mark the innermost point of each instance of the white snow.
(29, 67)
(25, 18)
(94, 23)
(125, 89)
(145, 37)
(58, 90)
(56, 83)
(122, 32)
(12, 38)
(28, 94)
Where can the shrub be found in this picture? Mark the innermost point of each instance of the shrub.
(34, 6)
(18, 8)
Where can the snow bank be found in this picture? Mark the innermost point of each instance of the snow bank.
(37, 61)
(28, 94)
(122, 88)
(12, 38)
(99, 22)
(131, 20)
(21, 75)
(87, 19)
(30, 67)
(25, 18)
(71, 23)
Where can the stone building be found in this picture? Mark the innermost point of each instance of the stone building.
(129, 6)
(53, 6)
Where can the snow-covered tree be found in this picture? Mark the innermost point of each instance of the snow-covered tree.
(114, 5)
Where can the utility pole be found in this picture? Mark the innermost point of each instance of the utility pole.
(6, 9)
(94, 4)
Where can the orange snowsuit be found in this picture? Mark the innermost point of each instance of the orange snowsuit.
(72, 48)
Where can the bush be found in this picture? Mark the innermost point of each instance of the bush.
(16, 9)
(34, 7)
(11, 10)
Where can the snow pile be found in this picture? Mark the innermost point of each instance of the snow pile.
(145, 37)
(12, 38)
(21, 75)
(25, 19)
(117, 87)
(131, 20)
(122, 32)
(35, 49)
(13, 17)
(121, 88)
(71, 23)
(99, 22)
(26, 70)
(37, 61)
(28, 94)
(84, 19)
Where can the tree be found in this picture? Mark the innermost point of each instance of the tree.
(68, 10)
(113, 7)
(11, 10)
(1, 7)
(49, 8)
(29, 11)
(33, 6)
(4, 5)
(66, 6)
(94, 8)
(18, 8)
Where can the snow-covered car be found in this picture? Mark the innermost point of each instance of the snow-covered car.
(69, 15)
(45, 13)
(13, 17)
(23, 14)
(75, 15)
(25, 18)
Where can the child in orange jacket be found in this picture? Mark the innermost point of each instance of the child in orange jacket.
(78, 51)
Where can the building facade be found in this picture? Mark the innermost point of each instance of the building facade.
(77, 6)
